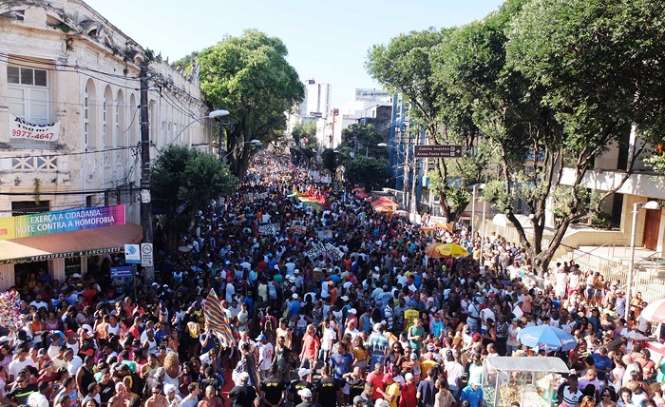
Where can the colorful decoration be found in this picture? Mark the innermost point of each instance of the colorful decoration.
(69, 220)
(10, 305)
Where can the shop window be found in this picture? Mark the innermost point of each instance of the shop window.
(72, 265)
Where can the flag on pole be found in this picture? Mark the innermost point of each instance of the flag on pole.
(216, 320)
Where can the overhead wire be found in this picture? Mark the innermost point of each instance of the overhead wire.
(40, 64)
(104, 150)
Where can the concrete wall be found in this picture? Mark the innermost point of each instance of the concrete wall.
(652, 186)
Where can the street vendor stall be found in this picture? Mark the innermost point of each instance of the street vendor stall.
(530, 381)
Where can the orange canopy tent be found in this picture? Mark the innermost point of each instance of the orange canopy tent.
(384, 204)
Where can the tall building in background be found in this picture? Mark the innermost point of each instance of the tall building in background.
(317, 99)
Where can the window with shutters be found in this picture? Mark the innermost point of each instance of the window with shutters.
(28, 94)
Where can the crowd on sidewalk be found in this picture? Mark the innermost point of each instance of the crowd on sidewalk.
(367, 320)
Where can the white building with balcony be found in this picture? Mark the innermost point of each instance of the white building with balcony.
(70, 77)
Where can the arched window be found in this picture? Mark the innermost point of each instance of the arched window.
(107, 116)
(89, 116)
(134, 121)
(120, 135)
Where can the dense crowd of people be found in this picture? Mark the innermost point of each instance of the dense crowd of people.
(366, 320)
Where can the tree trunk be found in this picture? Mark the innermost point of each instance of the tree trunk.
(543, 259)
(445, 209)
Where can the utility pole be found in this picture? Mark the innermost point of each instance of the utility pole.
(146, 205)
(413, 204)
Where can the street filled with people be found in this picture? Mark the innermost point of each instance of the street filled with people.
(321, 300)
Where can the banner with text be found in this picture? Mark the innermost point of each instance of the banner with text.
(68, 220)
(21, 129)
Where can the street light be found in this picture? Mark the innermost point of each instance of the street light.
(636, 208)
(382, 145)
(215, 114)
(219, 113)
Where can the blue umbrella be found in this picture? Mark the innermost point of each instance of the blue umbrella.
(546, 337)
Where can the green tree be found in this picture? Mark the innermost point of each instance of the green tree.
(304, 142)
(362, 139)
(331, 160)
(304, 133)
(368, 172)
(185, 181)
(408, 65)
(504, 106)
(597, 66)
(251, 78)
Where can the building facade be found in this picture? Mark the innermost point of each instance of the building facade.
(642, 185)
(317, 99)
(69, 109)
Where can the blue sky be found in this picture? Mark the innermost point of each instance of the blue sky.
(327, 40)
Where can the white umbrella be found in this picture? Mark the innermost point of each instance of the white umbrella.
(655, 311)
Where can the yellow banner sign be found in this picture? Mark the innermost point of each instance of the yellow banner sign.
(7, 228)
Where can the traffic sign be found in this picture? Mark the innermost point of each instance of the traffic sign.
(146, 255)
(439, 151)
(132, 254)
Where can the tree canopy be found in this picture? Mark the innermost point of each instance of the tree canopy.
(251, 78)
(185, 181)
(533, 88)
(362, 139)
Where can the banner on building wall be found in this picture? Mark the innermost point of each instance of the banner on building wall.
(7, 228)
(21, 129)
(68, 220)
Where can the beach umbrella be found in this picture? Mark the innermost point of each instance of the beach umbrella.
(546, 337)
(438, 250)
(655, 311)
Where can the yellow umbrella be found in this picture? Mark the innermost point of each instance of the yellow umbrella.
(436, 250)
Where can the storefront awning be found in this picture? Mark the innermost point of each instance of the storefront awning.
(90, 242)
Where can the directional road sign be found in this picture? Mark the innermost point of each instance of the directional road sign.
(439, 151)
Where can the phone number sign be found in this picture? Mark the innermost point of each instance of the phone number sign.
(21, 129)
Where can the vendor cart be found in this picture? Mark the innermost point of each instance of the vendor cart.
(530, 381)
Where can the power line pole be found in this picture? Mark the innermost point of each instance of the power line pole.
(146, 205)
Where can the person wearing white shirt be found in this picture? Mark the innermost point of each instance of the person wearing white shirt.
(327, 340)
(230, 292)
(20, 362)
(266, 353)
(37, 398)
(73, 362)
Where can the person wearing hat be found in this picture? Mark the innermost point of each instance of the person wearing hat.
(172, 397)
(473, 394)
(307, 398)
(296, 386)
(266, 355)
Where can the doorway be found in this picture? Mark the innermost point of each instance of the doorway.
(651, 228)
